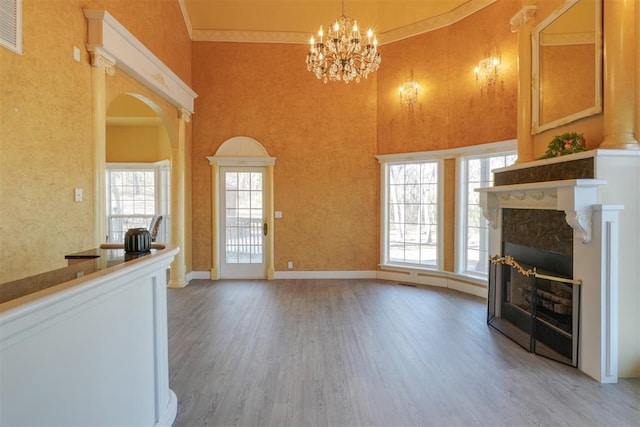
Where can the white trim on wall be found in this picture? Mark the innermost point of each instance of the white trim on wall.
(293, 37)
(108, 38)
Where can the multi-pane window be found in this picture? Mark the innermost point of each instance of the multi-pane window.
(244, 217)
(135, 194)
(477, 173)
(412, 214)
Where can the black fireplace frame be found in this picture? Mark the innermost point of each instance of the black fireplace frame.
(532, 328)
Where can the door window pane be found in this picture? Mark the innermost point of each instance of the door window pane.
(243, 216)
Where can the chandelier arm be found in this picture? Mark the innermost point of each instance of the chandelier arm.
(343, 55)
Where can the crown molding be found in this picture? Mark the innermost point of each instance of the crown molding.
(420, 27)
(111, 45)
(434, 23)
(185, 17)
(250, 36)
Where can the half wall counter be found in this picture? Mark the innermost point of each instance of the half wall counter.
(87, 344)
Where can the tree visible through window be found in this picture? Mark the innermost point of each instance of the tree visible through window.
(412, 225)
(135, 194)
(476, 230)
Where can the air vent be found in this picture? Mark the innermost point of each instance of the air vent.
(11, 25)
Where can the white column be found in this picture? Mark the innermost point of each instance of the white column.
(598, 351)
(270, 222)
(522, 23)
(178, 276)
(102, 66)
(215, 222)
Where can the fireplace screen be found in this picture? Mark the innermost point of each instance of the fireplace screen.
(535, 302)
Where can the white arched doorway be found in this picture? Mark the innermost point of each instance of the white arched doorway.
(242, 210)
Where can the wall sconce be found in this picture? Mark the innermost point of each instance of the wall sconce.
(487, 71)
(408, 92)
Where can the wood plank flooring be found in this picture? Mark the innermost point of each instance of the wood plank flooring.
(366, 353)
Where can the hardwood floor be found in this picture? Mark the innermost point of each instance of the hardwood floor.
(366, 353)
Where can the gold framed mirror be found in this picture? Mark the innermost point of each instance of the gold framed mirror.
(567, 65)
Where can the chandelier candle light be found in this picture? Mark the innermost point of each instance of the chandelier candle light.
(343, 56)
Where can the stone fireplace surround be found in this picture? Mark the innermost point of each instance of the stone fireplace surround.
(599, 193)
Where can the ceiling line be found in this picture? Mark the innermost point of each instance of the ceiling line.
(291, 37)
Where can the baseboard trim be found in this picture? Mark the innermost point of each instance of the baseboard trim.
(439, 279)
(423, 278)
(198, 275)
(361, 274)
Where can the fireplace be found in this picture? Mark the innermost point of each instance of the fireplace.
(534, 300)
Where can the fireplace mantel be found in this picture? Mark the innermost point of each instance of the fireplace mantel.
(598, 193)
(574, 196)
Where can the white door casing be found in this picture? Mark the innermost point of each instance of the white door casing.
(242, 155)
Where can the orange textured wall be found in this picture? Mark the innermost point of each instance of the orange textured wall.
(158, 24)
(45, 126)
(323, 136)
(138, 144)
(451, 111)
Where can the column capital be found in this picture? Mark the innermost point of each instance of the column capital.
(99, 60)
(523, 16)
(184, 115)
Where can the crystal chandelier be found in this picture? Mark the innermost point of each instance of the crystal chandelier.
(342, 55)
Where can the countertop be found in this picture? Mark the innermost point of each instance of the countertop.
(81, 264)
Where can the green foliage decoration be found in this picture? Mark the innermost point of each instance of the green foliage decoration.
(567, 143)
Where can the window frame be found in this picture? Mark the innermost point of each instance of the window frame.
(162, 199)
(386, 162)
(457, 154)
(462, 188)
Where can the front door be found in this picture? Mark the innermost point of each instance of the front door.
(242, 223)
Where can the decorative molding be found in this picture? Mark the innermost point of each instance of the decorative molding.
(491, 215)
(184, 115)
(580, 221)
(468, 8)
(524, 15)
(101, 60)
(451, 153)
(250, 36)
(109, 42)
(185, 17)
(574, 196)
(241, 150)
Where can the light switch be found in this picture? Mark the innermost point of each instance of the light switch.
(78, 195)
(76, 53)
(278, 214)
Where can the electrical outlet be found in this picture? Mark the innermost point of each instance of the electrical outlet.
(290, 265)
